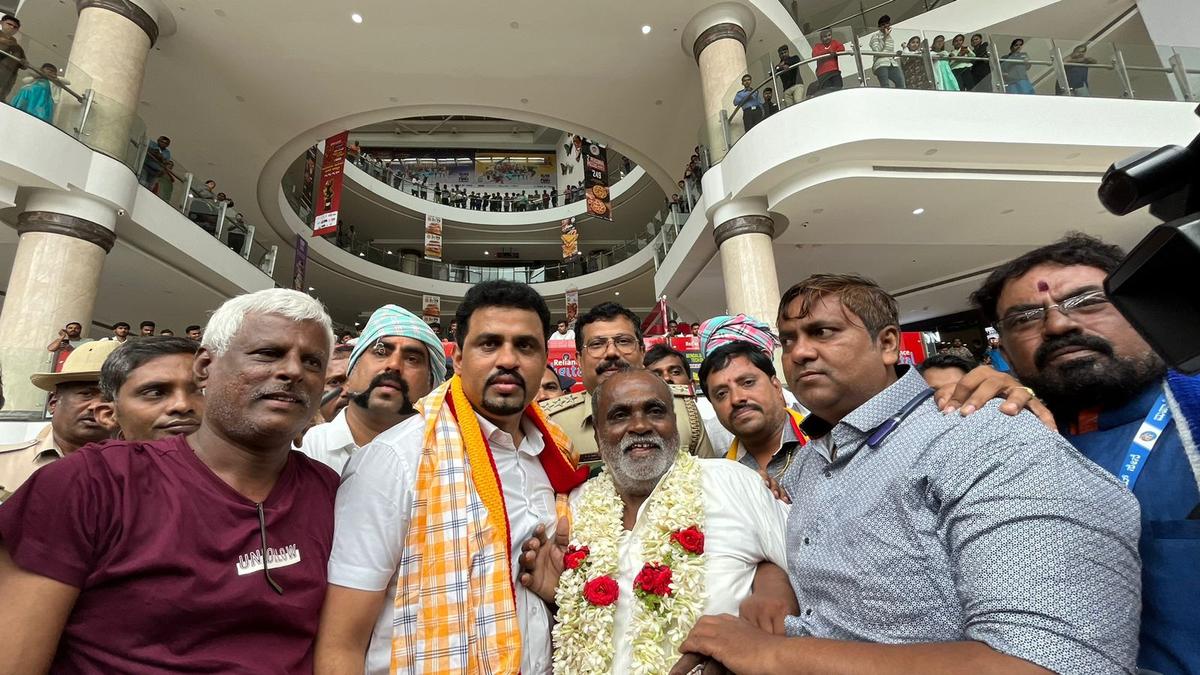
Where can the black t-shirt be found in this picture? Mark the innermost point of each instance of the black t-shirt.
(787, 78)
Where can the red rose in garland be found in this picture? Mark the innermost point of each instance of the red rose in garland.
(654, 579)
(574, 557)
(690, 540)
(601, 591)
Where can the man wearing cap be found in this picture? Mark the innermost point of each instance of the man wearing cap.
(397, 360)
(739, 379)
(606, 337)
(76, 393)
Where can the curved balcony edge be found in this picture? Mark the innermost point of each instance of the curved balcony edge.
(554, 215)
(412, 285)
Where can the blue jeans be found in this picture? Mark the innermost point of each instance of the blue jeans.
(1020, 87)
(886, 74)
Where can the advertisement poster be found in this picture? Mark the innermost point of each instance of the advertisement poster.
(912, 351)
(300, 266)
(572, 298)
(690, 346)
(562, 358)
(431, 308)
(310, 178)
(595, 181)
(433, 238)
(329, 193)
(570, 238)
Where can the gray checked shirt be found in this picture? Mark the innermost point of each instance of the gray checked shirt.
(987, 528)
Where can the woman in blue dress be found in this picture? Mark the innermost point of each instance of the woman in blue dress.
(35, 98)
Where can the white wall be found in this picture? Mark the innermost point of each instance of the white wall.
(1172, 22)
(564, 156)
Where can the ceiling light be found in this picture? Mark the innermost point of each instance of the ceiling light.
(356, 17)
(645, 30)
(616, 292)
(311, 288)
(918, 211)
(390, 253)
(485, 252)
(362, 255)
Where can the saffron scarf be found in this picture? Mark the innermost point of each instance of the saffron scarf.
(455, 601)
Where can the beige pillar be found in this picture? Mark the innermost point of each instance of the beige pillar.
(748, 266)
(717, 40)
(108, 57)
(63, 240)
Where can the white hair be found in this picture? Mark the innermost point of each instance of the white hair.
(294, 305)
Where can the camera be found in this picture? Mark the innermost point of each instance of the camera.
(1157, 286)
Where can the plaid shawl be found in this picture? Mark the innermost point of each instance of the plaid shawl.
(455, 600)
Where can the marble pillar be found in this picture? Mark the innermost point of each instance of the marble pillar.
(721, 55)
(64, 238)
(748, 266)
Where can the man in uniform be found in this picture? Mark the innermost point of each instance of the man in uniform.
(76, 392)
(606, 336)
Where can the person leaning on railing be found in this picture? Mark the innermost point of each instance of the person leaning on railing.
(886, 68)
(14, 55)
(36, 97)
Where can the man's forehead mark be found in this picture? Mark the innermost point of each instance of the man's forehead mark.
(1042, 286)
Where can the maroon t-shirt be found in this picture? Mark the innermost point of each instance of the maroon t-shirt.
(168, 560)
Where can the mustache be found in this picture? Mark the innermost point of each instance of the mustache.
(294, 392)
(608, 363)
(652, 438)
(746, 406)
(1094, 342)
(392, 380)
(505, 372)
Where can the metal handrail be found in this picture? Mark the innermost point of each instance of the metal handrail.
(23, 64)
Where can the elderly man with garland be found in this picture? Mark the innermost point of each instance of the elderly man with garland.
(658, 538)
(423, 574)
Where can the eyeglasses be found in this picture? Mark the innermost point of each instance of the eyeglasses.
(626, 344)
(1027, 321)
(262, 532)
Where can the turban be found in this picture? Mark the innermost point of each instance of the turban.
(722, 330)
(393, 321)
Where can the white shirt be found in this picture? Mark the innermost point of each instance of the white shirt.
(559, 337)
(371, 523)
(744, 525)
(331, 443)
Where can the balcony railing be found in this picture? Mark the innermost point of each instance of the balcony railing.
(913, 59)
(514, 199)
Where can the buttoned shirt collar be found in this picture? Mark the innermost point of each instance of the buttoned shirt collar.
(785, 440)
(499, 439)
(47, 449)
(853, 429)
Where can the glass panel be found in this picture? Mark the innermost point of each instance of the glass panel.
(1189, 57)
(1150, 74)
(1090, 68)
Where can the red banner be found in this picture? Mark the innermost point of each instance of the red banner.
(912, 349)
(655, 322)
(563, 360)
(329, 192)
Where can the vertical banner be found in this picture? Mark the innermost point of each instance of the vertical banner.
(570, 238)
(300, 264)
(310, 180)
(329, 193)
(572, 298)
(431, 308)
(433, 238)
(595, 180)
(912, 349)
(655, 322)
(690, 346)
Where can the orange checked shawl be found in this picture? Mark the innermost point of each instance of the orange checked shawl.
(455, 600)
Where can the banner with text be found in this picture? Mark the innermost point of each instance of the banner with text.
(300, 264)
(572, 298)
(570, 238)
(595, 180)
(310, 181)
(431, 308)
(329, 193)
(433, 238)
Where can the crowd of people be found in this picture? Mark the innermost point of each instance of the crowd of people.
(848, 514)
(962, 64)
(36, 95)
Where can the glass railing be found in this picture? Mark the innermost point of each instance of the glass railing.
(513, 200)
(59, 92)
(410, 262)
(22, 400)
(935, 60)
(216, 215)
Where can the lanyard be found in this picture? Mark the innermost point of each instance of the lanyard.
(889, 425)
(1144, 441)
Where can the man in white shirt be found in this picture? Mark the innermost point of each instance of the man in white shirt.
(673, 525)
(563, 333)
(442, 501)
(397, 360)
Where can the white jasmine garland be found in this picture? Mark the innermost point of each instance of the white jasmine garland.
(583, 637)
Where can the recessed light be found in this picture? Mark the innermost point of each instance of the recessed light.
(514, 25)
(485, 252)
(646, 30)
(390, 253)
(524, 100)
(616, 292)
(311, 288)
(918, 211)
(362, 255)
(356, 17)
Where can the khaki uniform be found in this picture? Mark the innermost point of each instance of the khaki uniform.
(18, 461)
(573, 413)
